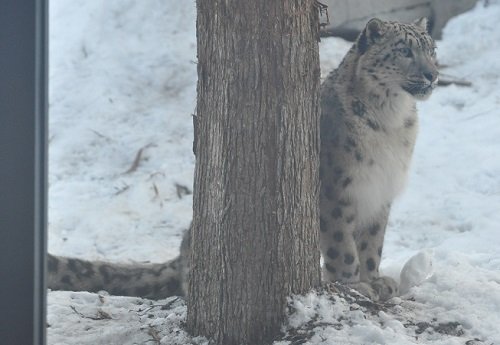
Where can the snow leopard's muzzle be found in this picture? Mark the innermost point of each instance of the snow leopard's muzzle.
(421, 85)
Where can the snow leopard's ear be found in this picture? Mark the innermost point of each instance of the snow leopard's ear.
(422, 23)
(374, 29)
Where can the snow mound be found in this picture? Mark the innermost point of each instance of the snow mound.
(338, 315)
(416, 271)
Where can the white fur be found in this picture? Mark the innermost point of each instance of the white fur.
(377, 185)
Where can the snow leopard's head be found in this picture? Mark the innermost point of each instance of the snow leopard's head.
(397, 55)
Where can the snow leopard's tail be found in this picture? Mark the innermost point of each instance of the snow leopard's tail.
(154, 281)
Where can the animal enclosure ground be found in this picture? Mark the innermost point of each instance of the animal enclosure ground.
(123, 81)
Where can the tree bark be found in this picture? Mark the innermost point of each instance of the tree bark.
(256, 215)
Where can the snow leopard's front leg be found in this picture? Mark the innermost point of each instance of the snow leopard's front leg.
(338, 247)
(370, 242)
(338, 218)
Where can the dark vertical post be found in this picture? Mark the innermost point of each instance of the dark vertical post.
(23, 123)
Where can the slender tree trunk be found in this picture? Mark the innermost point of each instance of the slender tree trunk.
(256, 218)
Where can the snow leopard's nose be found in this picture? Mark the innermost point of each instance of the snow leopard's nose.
(431, 76)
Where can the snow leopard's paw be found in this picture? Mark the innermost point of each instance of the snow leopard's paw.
(385, 288)
(365, 289)
(379, 289)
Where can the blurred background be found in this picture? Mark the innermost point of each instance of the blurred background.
(348, 17)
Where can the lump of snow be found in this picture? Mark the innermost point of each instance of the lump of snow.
(416, 270)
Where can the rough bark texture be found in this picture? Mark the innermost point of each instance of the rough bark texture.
(256, 217)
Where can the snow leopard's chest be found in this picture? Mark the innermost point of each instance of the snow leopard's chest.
(384, 176)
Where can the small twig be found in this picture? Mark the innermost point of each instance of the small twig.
(162, 306)
(486, 112)
(157, 173)
(121, 190)
(182, 190)
(154, 334)
(137, 160)
(76, 311)
(169, 303)
(101, 315)
(135, 163)
(100, 135)
(155, 189)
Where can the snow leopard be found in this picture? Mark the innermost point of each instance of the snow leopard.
(368, 129)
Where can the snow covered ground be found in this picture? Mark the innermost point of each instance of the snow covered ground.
(122, 91)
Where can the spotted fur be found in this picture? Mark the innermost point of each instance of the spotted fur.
(368, 130)
(153, 281)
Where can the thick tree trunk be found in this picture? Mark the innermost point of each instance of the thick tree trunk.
(256, 217)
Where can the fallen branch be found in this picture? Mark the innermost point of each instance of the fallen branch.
(445, 80)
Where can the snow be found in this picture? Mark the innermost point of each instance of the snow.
(122, 91)
(416, 270)
(122, 79)
(121, 320)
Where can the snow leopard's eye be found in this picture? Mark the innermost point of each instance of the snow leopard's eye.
(406, 52)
